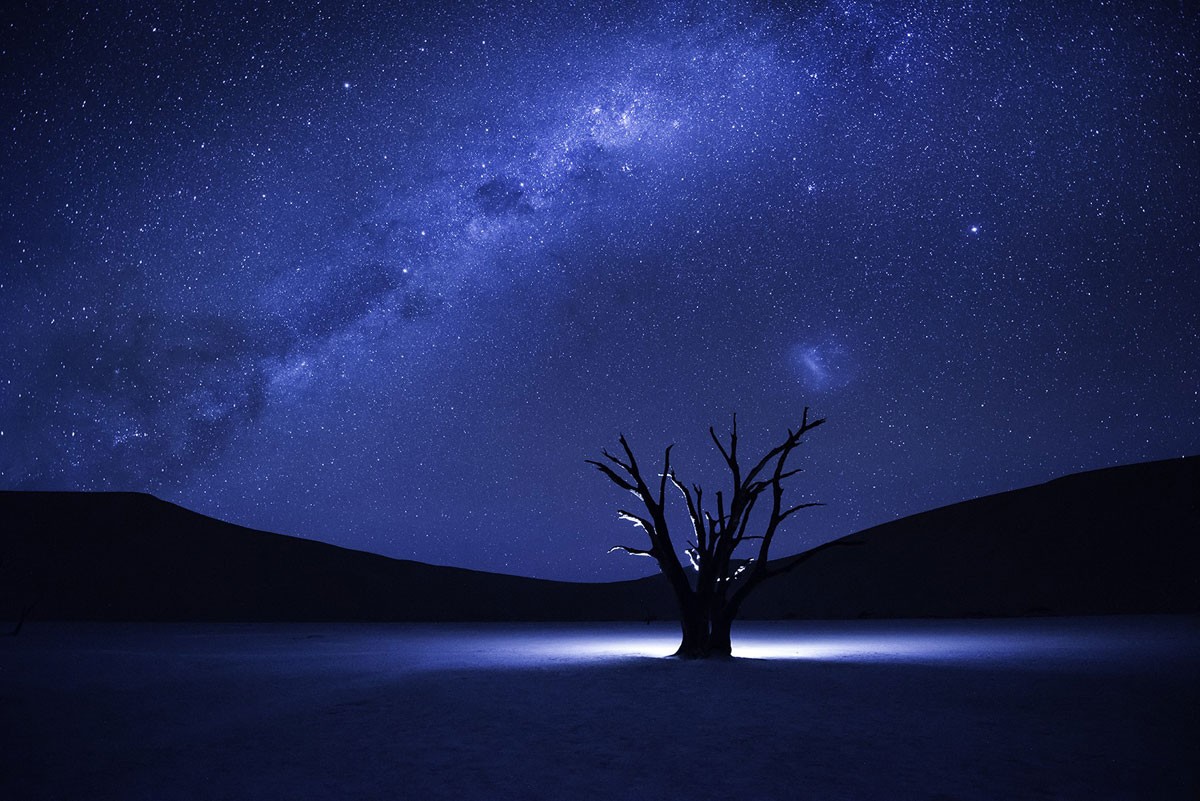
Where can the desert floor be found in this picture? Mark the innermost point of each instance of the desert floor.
(1093, 708)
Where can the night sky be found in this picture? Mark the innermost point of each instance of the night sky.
(385, 274)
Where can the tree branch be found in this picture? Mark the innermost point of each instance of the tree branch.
(655, 523)
(633, 465)
(662, 479)
(617, 461)
(712, 432)
(633, 551)
(791, 442)
(646, 525)
(693, 510)
(612, 476)
(797, 508)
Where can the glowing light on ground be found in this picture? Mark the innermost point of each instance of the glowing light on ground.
(875, 642)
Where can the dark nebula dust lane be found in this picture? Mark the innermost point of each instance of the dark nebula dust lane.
(385, 276)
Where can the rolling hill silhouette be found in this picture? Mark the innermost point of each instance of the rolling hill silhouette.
(1122, 540)
(1119, 540)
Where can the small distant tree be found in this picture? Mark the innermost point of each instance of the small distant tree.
(709, 600)
(23, 611)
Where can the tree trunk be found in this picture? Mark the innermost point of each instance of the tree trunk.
(21, 620)
(719, 643)
(706, 634)
(694, 625)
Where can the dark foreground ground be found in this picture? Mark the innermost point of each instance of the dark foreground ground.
(1088, 708)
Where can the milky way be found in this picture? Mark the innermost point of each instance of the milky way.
(386, 277)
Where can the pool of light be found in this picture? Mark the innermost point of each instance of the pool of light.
(1069, 640)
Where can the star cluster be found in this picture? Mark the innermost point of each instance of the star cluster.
(385, 275)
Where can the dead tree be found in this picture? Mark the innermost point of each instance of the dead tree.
(710, 599)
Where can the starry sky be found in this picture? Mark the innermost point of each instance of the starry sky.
(385, 274)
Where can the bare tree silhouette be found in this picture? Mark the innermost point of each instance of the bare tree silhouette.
(710, 598)
(24, 609)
